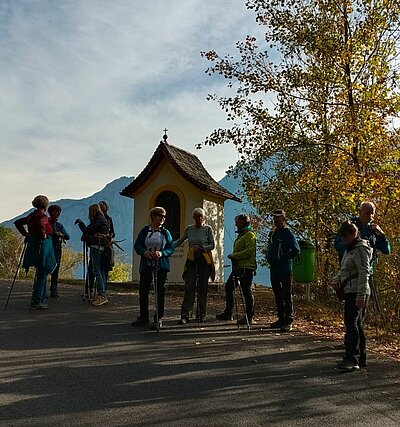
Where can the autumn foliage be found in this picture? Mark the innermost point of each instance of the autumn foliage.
(313, 116)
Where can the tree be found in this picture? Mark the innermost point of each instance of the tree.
(69, 262)
(122, 268)
(313, 114)
(11, 245)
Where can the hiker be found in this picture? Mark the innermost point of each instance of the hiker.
(353, 277)
(244, 266)
(39, 249)
(282, 248)
(96, 237)
(154, 244)
(58, 236)
(108, 254)
(368, 230)
(199, 266)
(375, 236)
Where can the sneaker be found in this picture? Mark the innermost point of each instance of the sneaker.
(277, 324)
(153, 326)
(287, 327)
(183, 321)
(39, 306)
(100, 300)
(224, 316)
(348, 365)
(140, 322)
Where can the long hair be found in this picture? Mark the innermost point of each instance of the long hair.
(94, 210)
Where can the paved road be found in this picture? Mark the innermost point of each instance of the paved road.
(78, 365)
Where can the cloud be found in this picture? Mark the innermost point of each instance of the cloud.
(86, 88)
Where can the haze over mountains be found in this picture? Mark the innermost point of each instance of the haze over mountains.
(121, 211)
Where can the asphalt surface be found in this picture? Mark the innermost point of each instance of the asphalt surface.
(79, 365)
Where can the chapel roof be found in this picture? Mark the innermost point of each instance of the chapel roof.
(187, 164)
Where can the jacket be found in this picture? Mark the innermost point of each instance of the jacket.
(376, 241)
(282, 248)
(244, 250)
(355, 269)
(39, 247)
(95, 233)
(167, 248)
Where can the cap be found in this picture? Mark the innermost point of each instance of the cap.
(279, 212)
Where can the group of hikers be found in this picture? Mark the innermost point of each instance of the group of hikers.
(44, 236)
(357, 243)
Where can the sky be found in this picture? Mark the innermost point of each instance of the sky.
(87, 87)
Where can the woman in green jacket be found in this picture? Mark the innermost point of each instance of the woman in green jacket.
(244, 266)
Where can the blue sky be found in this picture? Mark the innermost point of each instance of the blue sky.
(87, 87)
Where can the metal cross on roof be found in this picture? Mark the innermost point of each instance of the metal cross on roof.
(165, 136)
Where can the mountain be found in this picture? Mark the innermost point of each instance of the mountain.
(121, 211)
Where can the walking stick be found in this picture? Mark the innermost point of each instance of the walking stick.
(198, 314)
(154, 266)
(16, 273)
(237, 285)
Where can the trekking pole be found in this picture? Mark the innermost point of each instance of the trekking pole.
(234, 279)
(16, 273)
(154, 266)
(85, 273)
(237, 284)
(198, 314)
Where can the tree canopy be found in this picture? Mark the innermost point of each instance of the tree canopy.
(314, 111)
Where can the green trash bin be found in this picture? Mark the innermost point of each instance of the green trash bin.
(303, 264)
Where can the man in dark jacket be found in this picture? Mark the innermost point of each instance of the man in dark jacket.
(282, 248)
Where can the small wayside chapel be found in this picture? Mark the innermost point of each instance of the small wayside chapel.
(177, 180)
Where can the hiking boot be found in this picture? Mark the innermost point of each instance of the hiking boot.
(153, 326)
(140, 322)
(244, 321)
(286, 327)
(100, 300)
(224, 316)
(39, 306)
(348, 365)
(362, 362)
(183, 321)
(277, 324)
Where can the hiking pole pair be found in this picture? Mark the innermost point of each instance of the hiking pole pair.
(17, 271)
(237, 285)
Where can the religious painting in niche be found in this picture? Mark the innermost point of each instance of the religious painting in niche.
(171, 203)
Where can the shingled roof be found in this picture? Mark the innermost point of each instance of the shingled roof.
(187, 164)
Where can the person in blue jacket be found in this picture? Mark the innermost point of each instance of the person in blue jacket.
(368, 230)
(95, 234)
(374, 235)
(59, 236)
(154, 244)
(282, 248)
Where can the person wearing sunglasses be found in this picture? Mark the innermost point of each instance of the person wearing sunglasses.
(154, 244)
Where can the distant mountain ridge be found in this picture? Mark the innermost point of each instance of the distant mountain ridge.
(121, 211)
